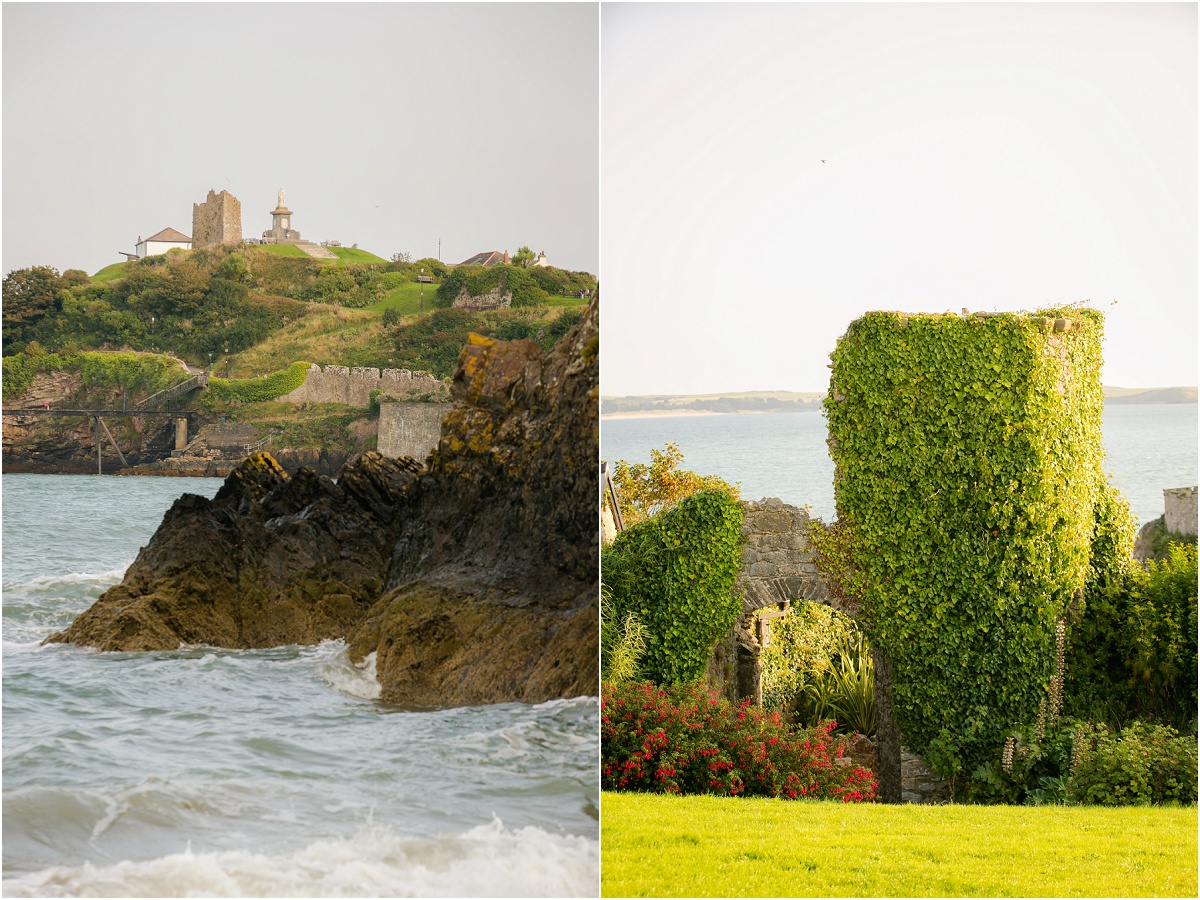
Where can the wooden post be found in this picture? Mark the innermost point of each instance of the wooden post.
(112, 440)
(96, 428)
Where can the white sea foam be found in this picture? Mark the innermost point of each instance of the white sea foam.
(338, 672)
(109, 577)
(489, 860)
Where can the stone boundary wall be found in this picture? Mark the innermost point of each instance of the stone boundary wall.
(1180, 509)
(410, 429)
(340, 384)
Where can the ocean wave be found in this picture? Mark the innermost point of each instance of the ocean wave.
(489, 860)
(336, 670)
(44, 582)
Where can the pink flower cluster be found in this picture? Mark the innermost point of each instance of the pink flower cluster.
(689, 740)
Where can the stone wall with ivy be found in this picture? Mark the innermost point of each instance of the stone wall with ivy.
(968, 460)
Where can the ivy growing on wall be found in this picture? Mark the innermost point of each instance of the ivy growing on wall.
(257, 390)
(968, 463)
(675, 573)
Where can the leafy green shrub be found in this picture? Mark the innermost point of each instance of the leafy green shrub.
(257, 390)
(689, 740)
(1133, 652)
(675, 572)
(804, 644)
(391, 317)
(1142, 764)
(968, 465)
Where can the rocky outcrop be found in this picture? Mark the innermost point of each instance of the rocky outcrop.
(473, 581)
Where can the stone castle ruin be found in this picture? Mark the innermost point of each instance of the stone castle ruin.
(218, 220)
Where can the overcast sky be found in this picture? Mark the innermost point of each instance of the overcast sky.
(389, 126)
(771, 172)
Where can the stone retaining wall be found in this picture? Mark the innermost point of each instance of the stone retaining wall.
(410, 429)
(340, 384)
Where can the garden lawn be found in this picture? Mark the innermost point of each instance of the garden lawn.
(664, 846)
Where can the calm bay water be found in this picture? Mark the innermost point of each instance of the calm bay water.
(255, 773)
(1149, 447)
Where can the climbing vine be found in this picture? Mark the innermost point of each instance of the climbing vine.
(968, 461)
(675, 573)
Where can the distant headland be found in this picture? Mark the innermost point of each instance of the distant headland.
(743, 402)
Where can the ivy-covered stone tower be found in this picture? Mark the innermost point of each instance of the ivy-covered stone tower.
(968, 464)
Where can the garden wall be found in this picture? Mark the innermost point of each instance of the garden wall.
(1180, 506)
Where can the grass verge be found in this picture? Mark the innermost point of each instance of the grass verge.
(663, 846)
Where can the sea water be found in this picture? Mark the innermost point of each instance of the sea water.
(211, 772)
(1148, 448)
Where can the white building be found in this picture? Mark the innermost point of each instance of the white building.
(167, 239)
(541, 260)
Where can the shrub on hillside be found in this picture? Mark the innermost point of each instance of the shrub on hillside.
(689, 740)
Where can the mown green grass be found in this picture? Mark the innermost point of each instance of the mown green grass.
(281, 250)
(663, 846)
(109, 273)
(351, 255)
(407, 299)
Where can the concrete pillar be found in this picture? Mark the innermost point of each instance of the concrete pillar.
(181, 434)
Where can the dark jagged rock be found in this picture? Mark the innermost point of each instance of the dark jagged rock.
(473, 581)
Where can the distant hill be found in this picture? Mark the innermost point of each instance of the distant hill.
(701, 404)
(1118, 395)
(802, 401)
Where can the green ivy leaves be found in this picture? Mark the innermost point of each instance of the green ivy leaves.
(969, 455)
(675, 571)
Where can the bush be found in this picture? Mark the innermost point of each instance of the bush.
(391, 317)
(689, 740)
(804, 643)
(1140, 765)
(675, 572)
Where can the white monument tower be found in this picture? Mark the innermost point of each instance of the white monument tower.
(281, 222)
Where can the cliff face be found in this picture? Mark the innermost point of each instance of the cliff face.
(473, 581)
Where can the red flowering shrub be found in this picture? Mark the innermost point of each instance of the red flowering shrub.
(689, 740)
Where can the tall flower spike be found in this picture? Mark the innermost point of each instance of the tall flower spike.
(1040, 729)
(1006, 757)
(1060, 666)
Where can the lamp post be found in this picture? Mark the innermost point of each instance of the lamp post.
(422, 281)
(226, 362)
(210, 356)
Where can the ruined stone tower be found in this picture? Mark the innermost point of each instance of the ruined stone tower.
(218, 220)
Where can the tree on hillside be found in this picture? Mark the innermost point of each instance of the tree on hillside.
(402, 257)
(523, 257)
(29, 296)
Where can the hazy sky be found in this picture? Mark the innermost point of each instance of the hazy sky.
(389, 126)
(771, 172)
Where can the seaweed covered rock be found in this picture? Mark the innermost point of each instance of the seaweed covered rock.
(473, 581)
(270, 560)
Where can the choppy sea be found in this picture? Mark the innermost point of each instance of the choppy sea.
(209, 772)
(1148, 448)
